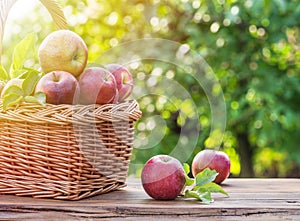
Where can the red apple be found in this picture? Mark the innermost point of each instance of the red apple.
(97, 85)
(215, 160)
(123, 78)
(60, 87)
(163, 177)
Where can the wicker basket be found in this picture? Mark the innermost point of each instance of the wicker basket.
(65, 151)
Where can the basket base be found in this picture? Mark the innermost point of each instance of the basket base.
(63, 190)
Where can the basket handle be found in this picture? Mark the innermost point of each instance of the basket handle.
(51, 5)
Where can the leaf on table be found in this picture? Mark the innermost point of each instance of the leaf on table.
(186, 168)
(11, 100)
(211, 187)
(188, 181)
(205, 176)
(204, 185)
(205, 197)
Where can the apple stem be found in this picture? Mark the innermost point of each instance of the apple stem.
(55, 77)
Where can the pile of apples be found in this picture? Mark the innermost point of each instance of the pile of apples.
(163, 177)
(63, 58)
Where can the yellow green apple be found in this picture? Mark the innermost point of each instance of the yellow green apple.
(63, 50)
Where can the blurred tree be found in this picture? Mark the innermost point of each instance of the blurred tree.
(252, 47)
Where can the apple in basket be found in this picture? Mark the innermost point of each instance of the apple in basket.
(60, 87)
(123, 78)
(213, 159)
(163, 177)
(97, 85)
(63, 50)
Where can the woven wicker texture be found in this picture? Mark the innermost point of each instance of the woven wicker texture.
(65, 151)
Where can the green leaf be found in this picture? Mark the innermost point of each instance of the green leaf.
(3, 74)
(206, 176)
(18, 73)
(38, 97)
(13, 89)
(205, 197)
(11, 100)
(192, 194)
(188, 181)
(2, 85)
(211, 187)
(30, 81)
(20, 52)
(186, 168)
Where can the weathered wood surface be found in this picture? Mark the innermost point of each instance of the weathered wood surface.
(250, 199)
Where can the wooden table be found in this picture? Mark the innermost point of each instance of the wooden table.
(250, 199)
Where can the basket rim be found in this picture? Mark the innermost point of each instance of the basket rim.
(63, 114)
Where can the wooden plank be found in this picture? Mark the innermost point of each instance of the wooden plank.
(250, 199)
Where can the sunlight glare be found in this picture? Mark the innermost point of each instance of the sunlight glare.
(18, 12)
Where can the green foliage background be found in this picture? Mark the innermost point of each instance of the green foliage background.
(253, 47)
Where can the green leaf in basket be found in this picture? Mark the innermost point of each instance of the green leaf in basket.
(32, 77)
(18, 73)
(38, 97)
(3, 74)
(21, 51)
(13, 89)
(2, 85)
(11, 100)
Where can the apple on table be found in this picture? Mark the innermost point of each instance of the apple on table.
(163, 177)
(213, 159)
